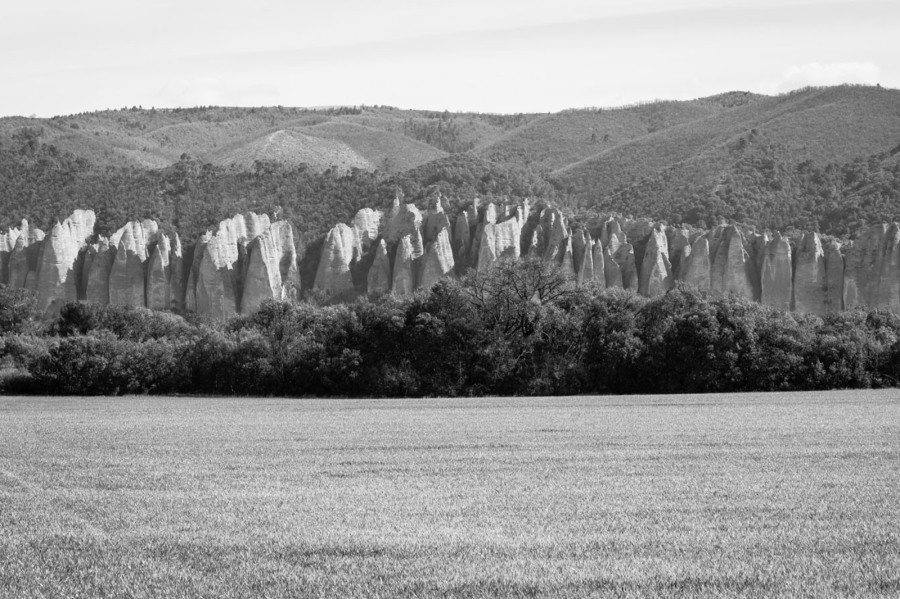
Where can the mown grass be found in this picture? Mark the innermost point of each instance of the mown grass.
(794, 495)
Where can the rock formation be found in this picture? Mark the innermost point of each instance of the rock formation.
(438, 262)
(498, 241)
(656, 271)
(405, 266)
(696, 266)
(862, 268)
(379, 276)
(272, 267)
(776, 274)
(57, 274)
(340, 250)
(249, 259)
(731, 268)
(810, 278)
(834, 266)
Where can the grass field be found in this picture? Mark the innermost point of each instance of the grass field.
(742, 495)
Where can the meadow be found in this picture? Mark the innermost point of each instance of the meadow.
(743, 495)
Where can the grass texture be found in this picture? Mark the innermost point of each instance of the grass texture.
(750, 495)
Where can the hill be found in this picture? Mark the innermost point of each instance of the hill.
(818, 158)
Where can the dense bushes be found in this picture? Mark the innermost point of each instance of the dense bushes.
(521, 328)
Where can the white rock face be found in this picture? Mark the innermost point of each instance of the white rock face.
(731, 268)
(697, 265)
(272, 271)
(776, 277)
(340, 250)
(612, 272)
(438, 262)
(215, 288)
(57, 275)
(159, 275)
(406, 264)
(25, 257)
(599, 260)
(129, 269)
(656, 270)
(624, 257)
(499, 241)
(834, 266)
(863, 266)
(380, 276)
(462, 239)
(367, 223)
(810, 282)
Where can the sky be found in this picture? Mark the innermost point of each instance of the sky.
(506, 56)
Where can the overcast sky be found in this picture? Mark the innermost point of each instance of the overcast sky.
(61, 57)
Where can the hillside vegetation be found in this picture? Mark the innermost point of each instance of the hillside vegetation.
(822, 159)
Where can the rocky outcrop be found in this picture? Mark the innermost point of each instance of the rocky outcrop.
(612, 271)
(624, 257)
(58, 275)
(863, 268)
(810, 278)
(776, 274)
(656, 270)
(404, 219)
(888, 297)
(834, 269)
(159, 276)
(129, 268)
(340, 250)
(731, 269)
(406, 261)
(462, 239)
(25, 257)
(438, 262)
(380, 276)
(599, 263)
(696, 265)
(367, 223)
(249, 259)
(272, 267)
(498, 241)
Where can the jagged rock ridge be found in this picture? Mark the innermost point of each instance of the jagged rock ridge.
(249, 259)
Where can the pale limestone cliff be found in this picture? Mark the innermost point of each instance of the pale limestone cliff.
(810, 278)
(340, 250)
(731, 268)
(697, 268)
(406, 265)
(776, 274)
(403, 219)
(434, 221)
(129, 268)
(379, 276)
(462, 239)
(598, 256)
(159, 275)
(58, 273)
(438, 261)
(498, 241)
(656, 270)
(863, 268)
(215, 286)
(624, 257)
(888, 297)
(367, 223)
(612, 271)
(272, 267)
(834, 266)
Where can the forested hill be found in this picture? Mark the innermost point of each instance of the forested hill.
(823, 159)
